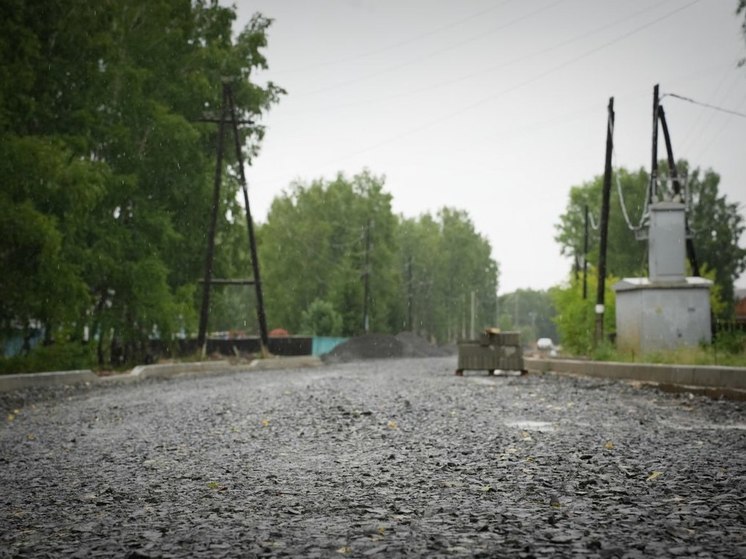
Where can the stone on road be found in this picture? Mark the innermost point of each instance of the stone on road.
(380, 458)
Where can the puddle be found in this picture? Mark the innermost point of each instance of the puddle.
(526, 425)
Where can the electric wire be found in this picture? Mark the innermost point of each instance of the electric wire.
(496, 95)
(396, 45)
(714, 107)
(502, 65)
(433, 53)
(623, 205)
(520, 85)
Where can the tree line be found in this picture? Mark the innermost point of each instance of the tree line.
(107, 156)
(337, 245)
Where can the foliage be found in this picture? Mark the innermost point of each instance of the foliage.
(61, 356)
(421, 272)
(319, 242)
(320, 319)
(529, 311)
(446, 264)
(576, 317)
(716, 225)
(106, 170)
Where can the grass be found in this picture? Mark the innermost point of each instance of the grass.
(728, 350)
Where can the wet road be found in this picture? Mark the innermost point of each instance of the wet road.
(371, 459)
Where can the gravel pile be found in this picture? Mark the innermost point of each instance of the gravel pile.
(377, 458)
(383, 346)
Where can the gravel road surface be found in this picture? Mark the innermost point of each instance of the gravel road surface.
(383, 458)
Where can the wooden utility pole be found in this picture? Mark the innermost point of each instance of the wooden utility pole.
(604, 227)
(654, 162)
(261, 316)
(366, 279)
(585, 252)
(209, 258)
(228, 109)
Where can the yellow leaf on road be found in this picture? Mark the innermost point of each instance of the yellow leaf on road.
(609, 445)
(654, 475)
(392, 424)
(265, 422)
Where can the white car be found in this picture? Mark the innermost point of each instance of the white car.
(544, 344)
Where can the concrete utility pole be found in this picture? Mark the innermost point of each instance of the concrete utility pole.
(604, 227)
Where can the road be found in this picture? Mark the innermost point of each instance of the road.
(382, 458)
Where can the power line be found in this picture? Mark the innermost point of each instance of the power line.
(522, 58)
(524, 83)
(433, 53)
(397, 44)
(721, 109)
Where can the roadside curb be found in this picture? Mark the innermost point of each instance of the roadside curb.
(9, 383)
(727, 381)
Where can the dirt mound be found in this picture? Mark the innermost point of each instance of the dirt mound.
(416, 346)
(383, 346)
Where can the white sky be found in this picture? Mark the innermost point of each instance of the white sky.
(496, 107)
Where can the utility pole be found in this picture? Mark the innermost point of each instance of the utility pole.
(228, 108)
(410, 295)
(585, 252)
(473, 312)
(654, 162)
(205, 310)
(366, 279)
(604, 227)
(261, 316)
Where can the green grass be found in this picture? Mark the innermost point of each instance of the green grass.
(728, 350)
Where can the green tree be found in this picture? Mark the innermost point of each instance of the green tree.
(529, 310)
(104, 151)
(716, 226)
(321, 319)
(319, 242)
(444, 263)
(575, 317)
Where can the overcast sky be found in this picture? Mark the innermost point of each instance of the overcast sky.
(496, 107)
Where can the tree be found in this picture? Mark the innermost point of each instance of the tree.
(530, 311)
(576, 318)
(444, 262)
(105, 155)
(320, 241)
(320, 319)
(716, 226)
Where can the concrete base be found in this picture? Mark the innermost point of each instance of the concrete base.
(655, 316)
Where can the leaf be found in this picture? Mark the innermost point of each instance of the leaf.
(344, 550)
(265, 422)
(392, 424)
(215, 486)
(486, 488)
(609, 445)
(654, 475)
